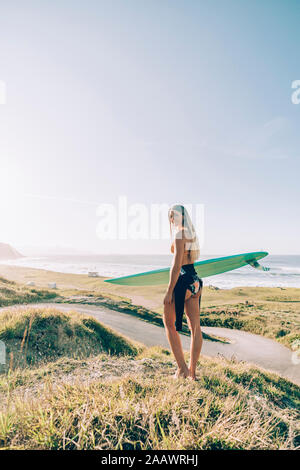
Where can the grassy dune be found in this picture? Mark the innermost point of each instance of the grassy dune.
(33, 336)
(276, 319)
(99, 390)
(12, 293)
(133, 403)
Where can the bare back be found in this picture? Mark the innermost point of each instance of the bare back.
(186, 258)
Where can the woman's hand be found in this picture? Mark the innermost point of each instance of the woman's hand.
(168, 298)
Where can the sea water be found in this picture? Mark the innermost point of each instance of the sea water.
(284, 269)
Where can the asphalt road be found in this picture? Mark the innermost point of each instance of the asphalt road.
(243, 346)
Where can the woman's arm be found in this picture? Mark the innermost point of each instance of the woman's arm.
(177, 262)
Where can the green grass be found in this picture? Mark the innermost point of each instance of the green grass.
(80, 385)
(231, 406)
(270, 312)
(270, 320)
(12, 293)
(39, 335)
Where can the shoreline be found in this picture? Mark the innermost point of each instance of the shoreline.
(147, 296)
(42, 277)
(284, 273)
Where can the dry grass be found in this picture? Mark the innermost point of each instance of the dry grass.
(39, 335)
(231, 406)
(116, 394)
(12, 293)
(271, 312)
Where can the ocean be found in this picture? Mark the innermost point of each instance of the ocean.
(284, 269)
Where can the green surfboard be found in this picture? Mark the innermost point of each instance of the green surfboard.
(206, 268)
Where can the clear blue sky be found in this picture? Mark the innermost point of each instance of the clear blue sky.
(161, 101)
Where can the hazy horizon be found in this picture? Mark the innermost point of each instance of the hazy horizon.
(60, 250)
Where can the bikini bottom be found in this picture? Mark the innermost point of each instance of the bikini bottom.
(188, 279)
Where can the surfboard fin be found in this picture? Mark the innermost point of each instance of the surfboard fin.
(254, 263)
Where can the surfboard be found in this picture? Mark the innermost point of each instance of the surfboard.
(206, 268)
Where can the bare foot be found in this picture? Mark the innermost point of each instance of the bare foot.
(192, 375)
(181, 373)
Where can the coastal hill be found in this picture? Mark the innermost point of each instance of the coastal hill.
(8, 252)
(80, 385)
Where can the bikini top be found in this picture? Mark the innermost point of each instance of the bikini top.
(172, 248)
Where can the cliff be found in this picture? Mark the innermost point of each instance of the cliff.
(8, 252)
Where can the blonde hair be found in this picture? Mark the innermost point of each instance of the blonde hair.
(187, 224)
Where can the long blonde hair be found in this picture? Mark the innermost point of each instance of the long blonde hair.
(187, 224)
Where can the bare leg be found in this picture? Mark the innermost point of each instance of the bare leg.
(174, 339)
(193, 319)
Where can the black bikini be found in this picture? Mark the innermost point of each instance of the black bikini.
(188, 279)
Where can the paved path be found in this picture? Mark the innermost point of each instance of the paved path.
(244, 346)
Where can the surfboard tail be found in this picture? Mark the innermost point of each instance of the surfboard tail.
(255, 264)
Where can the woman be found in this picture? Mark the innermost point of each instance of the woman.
(184, 290)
